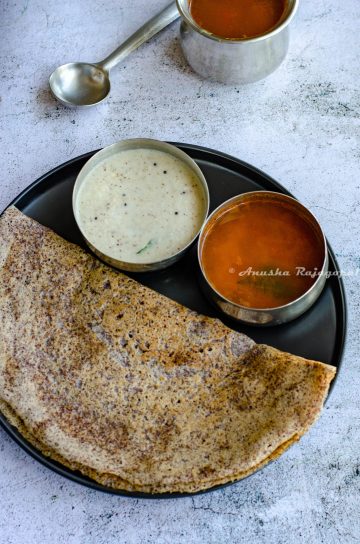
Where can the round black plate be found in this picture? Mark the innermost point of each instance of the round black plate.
(319, 334)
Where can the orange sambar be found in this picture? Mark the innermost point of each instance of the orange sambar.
(261, 255)
(235, 19)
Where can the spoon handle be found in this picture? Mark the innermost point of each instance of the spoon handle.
(152, 27)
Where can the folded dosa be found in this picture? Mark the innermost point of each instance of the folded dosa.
(131, 388)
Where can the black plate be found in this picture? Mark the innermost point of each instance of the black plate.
(319, 334)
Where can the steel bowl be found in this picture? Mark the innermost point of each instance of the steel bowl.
(234, 61)
(138, 143)
(265, 316)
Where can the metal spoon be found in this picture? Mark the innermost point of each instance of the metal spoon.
(85, 84)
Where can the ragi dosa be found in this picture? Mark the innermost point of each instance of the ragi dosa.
(131, 388)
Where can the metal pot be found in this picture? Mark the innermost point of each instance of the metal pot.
(234, 61)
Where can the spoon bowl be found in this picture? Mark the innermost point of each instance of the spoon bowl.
(80, 84)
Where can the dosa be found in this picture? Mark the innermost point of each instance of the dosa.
(129, 387)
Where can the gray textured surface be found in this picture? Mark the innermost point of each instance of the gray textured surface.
(302, 127)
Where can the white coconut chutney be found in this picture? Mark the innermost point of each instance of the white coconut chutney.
(140, 205)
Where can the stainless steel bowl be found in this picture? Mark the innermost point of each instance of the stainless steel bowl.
(234, 61)
(139, 143)
(265, 316)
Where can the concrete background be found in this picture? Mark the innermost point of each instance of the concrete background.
(301, 125)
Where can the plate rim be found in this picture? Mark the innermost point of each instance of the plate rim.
(77, 476)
